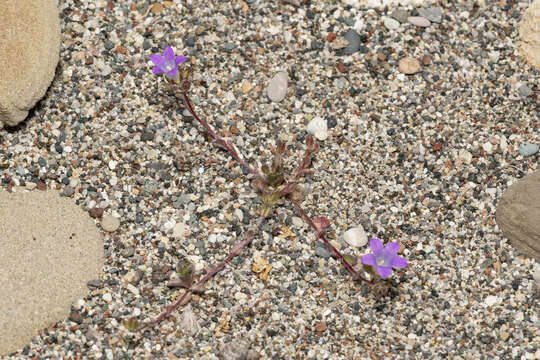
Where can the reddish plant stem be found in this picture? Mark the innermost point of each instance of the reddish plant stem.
(169, 309)
(227, 145)
(321, 236)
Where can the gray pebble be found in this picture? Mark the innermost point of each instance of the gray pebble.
(528, 149)
(524, 90)
(322, 252)
(433, 14)
(400, 15)
(128, 252)
(147, 135)
(68, 191)
(419, 21)
(277, 87)
(354, 42)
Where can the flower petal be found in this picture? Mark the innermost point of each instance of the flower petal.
(168, 53)
(384, 271)
(157, 70)
(392, 248)
(369, 259)
(180, 59)
(375, 245)
(399, 262)
(158, 60)
(173, 74)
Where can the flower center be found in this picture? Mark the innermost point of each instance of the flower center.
(382, 261)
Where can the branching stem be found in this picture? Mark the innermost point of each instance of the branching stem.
(186, 296)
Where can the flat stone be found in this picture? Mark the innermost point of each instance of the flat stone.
(30, 48)
(524, 90)
(50, 250)
(529, 45)
(433, 14)
(110, 223)
(400, 15)
(390, 24)
(322, 252)
(419, 21)
(409, 66)
(518, 212)
(354, 42)
(277, 87)
(528, 149)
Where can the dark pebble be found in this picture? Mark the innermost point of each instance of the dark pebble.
(147, 135)
(96, 283)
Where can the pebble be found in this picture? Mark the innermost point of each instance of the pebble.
(110, 223)
(30, 186)
(168, 225)
(322, 252)
(491, 300)
(433, 14)
(318, 128)
(524, 90)
(465, 156)
(528, 149)
(356, 237)
(179, 230)
(297, 221)
(419, 21)
(409, 66)
(277, 87)
(400, 15)
(353, 42)
(488, 147)
(238, 213)
(390, 24)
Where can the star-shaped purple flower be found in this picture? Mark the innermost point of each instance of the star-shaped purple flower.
(168, 63)
(384, 258)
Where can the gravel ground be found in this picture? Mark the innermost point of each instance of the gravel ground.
(421, 159)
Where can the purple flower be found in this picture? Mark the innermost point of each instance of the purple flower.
(168, 63)
(384, 258)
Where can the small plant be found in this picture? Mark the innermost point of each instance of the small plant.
(274, 185)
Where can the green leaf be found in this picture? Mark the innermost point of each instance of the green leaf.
(131, 324)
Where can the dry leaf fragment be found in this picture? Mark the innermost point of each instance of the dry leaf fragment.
(261, 267)
(286, 232)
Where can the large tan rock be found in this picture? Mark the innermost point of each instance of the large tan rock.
(29, 47)
(529, 31)
(49, 249)
(518, 215)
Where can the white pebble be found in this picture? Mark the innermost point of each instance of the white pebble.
(318, 128)
(491, 300)
(168, 225)
(179, 230)
(112, 164)
(239, 214)
(107, 297)
(488, 147)
(355, 237)
(277, 87)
